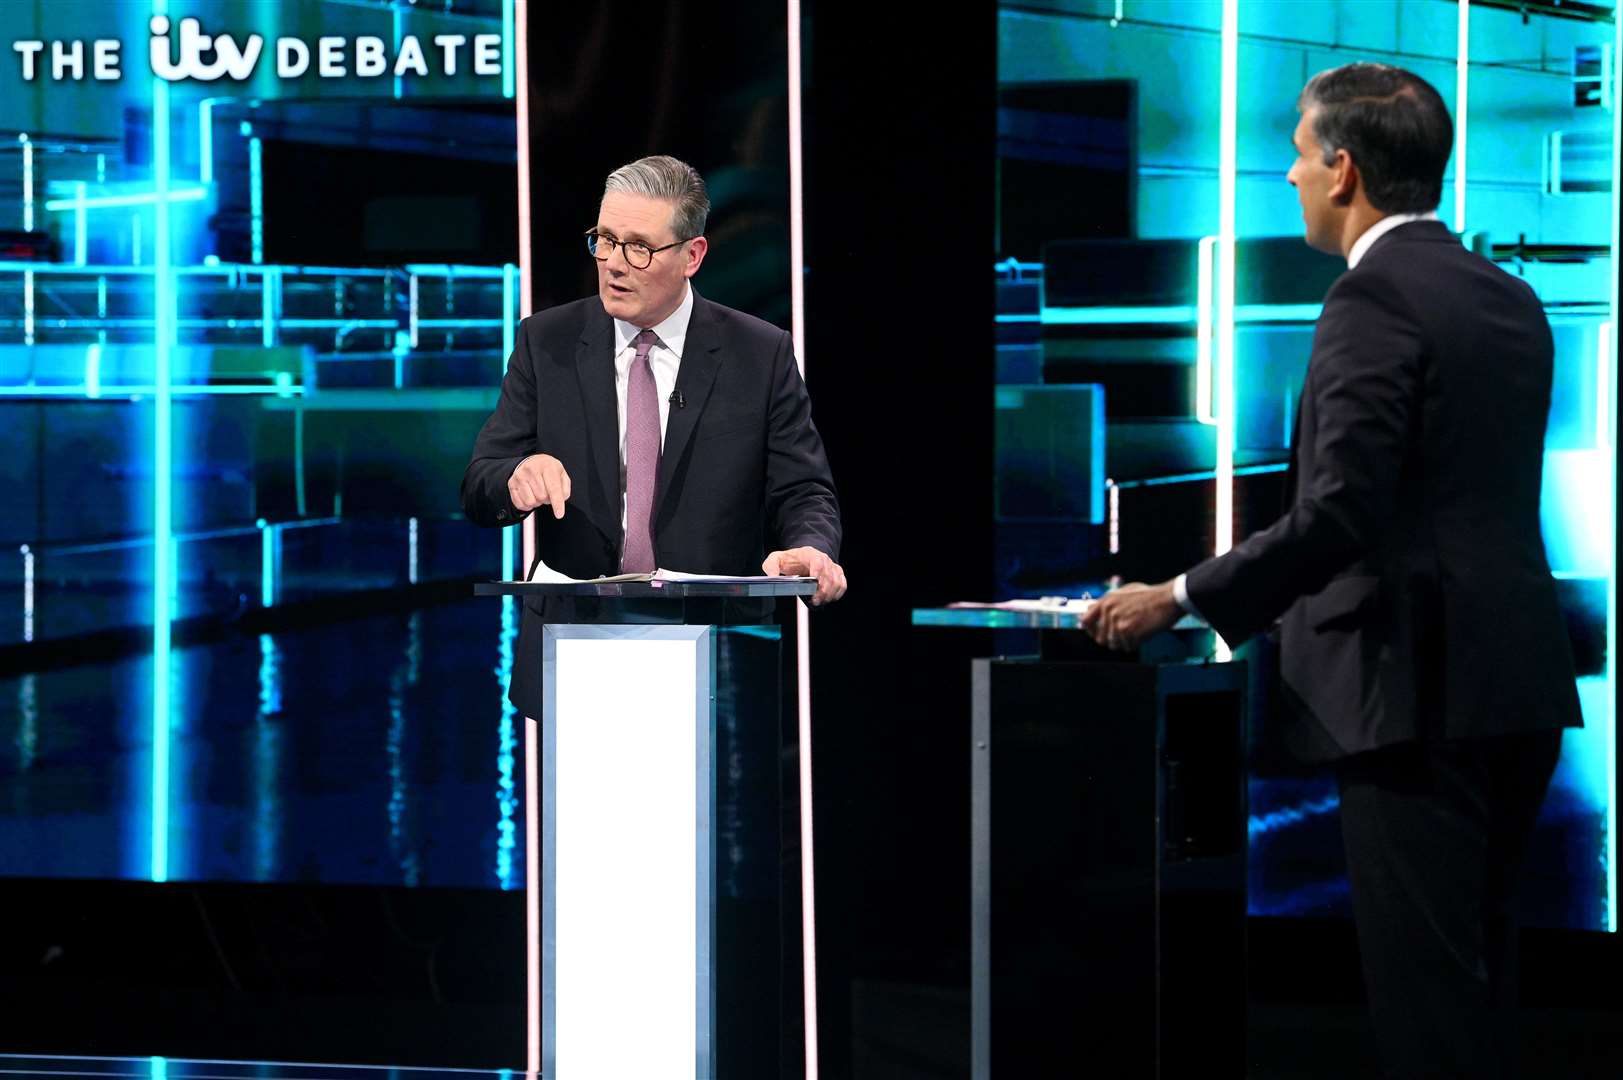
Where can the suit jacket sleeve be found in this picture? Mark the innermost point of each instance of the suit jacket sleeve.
(506, 439)
(1364, 380)
(802, 509)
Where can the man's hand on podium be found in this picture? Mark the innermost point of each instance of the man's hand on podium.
(539, 480)
(808, 562)
(1123, 618)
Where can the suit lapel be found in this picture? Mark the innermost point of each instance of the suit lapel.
(701, 359)
(594, 370)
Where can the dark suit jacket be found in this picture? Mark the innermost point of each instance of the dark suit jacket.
(1410, 570)
(742, 464)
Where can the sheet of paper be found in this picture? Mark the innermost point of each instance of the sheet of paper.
(546, 575)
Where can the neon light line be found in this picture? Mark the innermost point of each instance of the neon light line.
(508, 74)
(509, 283)
(256, 200)
(1223, 380)
(1615, 83)
(28, 182)
(163, 509)
(451, 270)
(205, 140)
(1462, 79)
(797, 305)
(139, 198)
(532, 800)
(81, 222)
(28, 593)
(411, 550)
(93, 370)
(119, 390)
(1203, 330)
(1187, 314)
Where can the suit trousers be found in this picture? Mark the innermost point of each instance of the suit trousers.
(1435, 833)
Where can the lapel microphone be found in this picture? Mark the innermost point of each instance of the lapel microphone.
(677, 399)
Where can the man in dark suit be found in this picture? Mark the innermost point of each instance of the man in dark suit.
(1421, 644)
(659, 429)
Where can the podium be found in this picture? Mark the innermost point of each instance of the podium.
(1108, 849)
(655, 858)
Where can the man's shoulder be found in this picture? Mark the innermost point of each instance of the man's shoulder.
(741, 328)
(563, 321)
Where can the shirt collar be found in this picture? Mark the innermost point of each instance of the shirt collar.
(1362, 245)
(672, 333)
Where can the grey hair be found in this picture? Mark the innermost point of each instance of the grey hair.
(661, 177)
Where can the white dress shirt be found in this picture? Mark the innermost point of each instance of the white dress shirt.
(665, 359)
(1360, 248)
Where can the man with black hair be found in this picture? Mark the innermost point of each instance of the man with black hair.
(1421, 644)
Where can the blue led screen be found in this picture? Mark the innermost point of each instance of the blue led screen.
(255, 301)
(1115, 298)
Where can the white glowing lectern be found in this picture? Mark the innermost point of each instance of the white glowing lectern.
(654, 799)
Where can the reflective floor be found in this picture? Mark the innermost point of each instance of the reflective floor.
(372, 751)
(157, 1068)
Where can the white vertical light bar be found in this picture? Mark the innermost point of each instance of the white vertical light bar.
(81, 230)
(1203, 330)
(270, 286)
(28, 593)
(797, 308)
(163, 535)
(28, 226)
(93, 370)
(1462, 63)
(532, 826)
(1223, 375)
(411, 550)
(205, 141)
(507, 49)
(1615, 88)
(1114, 490)
(256, 199)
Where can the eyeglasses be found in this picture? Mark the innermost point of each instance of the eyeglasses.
(639, 255)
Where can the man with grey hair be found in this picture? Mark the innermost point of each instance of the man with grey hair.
(1422, 646)
(658, 429)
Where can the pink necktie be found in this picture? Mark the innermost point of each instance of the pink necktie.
(642, 459)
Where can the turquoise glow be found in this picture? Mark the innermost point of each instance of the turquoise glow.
(163, 564)
(138, 198)
(1611, 517)
(509, 71)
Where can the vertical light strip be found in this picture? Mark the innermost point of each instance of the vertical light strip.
(205, 141)
(81, 230)
(507, 49)
(1462, 62)
(270, 285)
(1113, 491)
(509, 320)
(28, 182)
(93, 370)
(163, 566)
(1611, 517)
(28, 593)
(797, 308)
(268, 537)
(1203, 330)
(412, 315)
(256, 198)
(411, 550)
(28, 226)
(1223, 375)
(399, 27)
(532, 795)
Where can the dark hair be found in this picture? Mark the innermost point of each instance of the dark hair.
(1394, 126)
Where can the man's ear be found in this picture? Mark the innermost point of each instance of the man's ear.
(1346, 181)
(695, 255)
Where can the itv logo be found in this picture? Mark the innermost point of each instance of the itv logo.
(186, 53)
